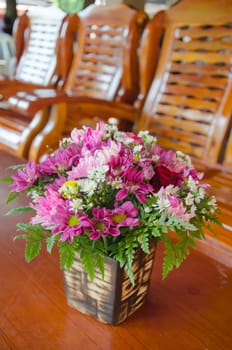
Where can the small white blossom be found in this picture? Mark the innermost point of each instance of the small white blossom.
(192, 184)
(189, 200)
(144, 134)
(163, 203)
(200, 195)
(65, 142)
(213, 201)
(76, 204)
(98, 174)
(88, 186)
(147, 209)
(117, 183)
(138, 148)
(193, 210)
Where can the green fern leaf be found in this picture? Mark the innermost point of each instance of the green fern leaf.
(19, 210)
(169, 260)
(7, 180)
(100, 263)
(67, 255)
(35, 230)
(50, 243)
(12, 196)
(89, 263)
(32, 250)
(144, 242)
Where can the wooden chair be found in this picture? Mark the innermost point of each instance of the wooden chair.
(105, 68)
(44, 47)
(43, 38)
(189, 104)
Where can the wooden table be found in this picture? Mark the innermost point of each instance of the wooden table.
(191, 310)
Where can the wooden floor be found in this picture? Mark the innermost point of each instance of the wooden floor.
(191, 310)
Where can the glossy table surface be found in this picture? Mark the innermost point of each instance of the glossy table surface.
(191, 310)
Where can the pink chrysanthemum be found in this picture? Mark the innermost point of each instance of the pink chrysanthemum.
(46, 208)
(125, 215)
(25, 177)
(69, 224)
(133, 182)
(61, 160)
(102, 224)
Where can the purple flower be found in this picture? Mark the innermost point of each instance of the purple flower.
(60, 160)
(69, 224)
(102, 224)
(120, 163)
(25, 177)
(125, 215)
(134, 183)
(93, 139)
(46, 207)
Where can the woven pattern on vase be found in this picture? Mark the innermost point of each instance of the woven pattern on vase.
(113, 299)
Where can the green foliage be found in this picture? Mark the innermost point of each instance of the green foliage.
(67, 255)
(19, 210)
(7, 180)
(34, 238)
(91, 254)
(12, 196)
(51, 240)
(32, 250)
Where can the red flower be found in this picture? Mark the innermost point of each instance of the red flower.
(164, 177)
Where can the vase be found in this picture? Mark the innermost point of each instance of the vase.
(112, 299)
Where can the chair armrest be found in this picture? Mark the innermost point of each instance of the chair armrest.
(10, 88)
(28, 103)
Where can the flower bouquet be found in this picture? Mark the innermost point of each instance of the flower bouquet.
(106, 193)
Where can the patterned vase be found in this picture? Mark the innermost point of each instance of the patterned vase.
(113, 299)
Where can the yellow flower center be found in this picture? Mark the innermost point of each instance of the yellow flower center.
(119, 218)
(73, 221)
(100, 226)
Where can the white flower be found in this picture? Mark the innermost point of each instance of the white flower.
(138, 148)
(200, 195)
(76, 204)
(193, 210)
(98, 174)
(213, 201)
(192, 184)
(88, 186)
(117, 183)
(163, 203)
(65, 142)
(147, 209)
(144, 134)
(189, 200)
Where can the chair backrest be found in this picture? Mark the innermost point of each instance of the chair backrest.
(41, 39)
(7, 54)
(106, 63)
(189, 104)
